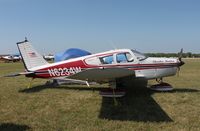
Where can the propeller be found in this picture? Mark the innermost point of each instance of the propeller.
(180, 55)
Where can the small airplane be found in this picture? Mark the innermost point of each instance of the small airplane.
(111, 66)
(11, 58)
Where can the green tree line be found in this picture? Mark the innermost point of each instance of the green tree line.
(184, 55)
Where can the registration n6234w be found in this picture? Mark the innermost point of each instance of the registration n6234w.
(64, 71)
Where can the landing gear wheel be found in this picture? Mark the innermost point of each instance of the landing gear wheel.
(161, 86)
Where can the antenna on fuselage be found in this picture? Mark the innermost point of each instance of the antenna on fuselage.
(26, 39)
(112, 44)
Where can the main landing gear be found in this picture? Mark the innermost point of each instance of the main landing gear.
(161, 86)
(30, 83)
(113, 92)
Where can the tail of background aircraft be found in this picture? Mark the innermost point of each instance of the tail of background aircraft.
(31, 58)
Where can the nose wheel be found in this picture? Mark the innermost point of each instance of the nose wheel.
(159, 80)
(161, 86)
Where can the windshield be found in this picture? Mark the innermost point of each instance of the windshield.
(139, 55)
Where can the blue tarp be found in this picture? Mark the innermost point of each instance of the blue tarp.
(70, 53)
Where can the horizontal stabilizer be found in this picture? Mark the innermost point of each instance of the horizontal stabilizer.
(18, 74)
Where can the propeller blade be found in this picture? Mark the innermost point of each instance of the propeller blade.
(180, 54)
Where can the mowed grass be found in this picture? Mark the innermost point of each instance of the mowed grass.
(82, 108)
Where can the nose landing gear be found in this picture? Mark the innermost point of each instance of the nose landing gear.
(161, 86)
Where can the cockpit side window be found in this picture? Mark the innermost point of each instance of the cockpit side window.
(139, 55)
(129, 57)
(124, 58)
(107, 59)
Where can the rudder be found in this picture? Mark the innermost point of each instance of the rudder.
(31, 58)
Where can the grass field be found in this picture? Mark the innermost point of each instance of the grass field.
(81, 108)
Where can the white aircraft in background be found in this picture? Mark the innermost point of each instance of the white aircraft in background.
(112, 66)
(49, 57)
(11, 58)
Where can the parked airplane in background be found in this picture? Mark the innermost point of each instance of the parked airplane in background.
(111, 66)
(11, 58)
(49, 57)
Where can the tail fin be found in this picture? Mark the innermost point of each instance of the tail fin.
(31, 58)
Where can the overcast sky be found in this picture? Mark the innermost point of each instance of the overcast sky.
(100, 25)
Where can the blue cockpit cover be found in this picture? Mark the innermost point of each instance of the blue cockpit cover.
(70, 53)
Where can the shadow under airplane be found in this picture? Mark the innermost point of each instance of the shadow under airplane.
(43, 87)
(13, 127)
(136, 105)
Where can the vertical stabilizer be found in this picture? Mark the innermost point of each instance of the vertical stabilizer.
(30, 56)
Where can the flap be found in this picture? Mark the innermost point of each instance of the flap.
(102, 74)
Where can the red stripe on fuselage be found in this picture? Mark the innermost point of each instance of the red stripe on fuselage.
(70, 68)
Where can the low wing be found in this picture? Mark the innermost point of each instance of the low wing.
(102, 74)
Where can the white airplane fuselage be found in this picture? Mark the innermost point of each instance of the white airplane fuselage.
(11, 58)
(158, 68)
(146, 67)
